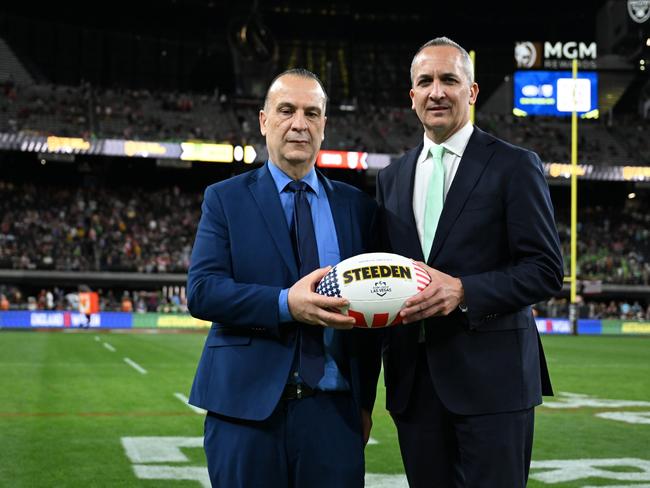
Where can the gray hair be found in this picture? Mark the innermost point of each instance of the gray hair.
(445, 41)
(301, 73)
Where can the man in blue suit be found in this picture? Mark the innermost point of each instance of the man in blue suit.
(463, 378)
(278, 374)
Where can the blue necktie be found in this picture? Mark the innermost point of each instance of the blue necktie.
(312, 362)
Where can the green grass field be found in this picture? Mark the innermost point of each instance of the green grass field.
(70, 406)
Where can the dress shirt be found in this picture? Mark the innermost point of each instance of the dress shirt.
(454, 149)
(328, 255)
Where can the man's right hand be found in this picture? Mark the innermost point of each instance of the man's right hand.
(307, 306)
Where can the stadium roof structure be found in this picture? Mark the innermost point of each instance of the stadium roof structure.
(486, 23)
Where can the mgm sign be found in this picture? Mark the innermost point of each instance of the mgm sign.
(555, 55)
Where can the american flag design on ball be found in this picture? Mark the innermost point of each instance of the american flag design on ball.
(376, 285)
(329, 285)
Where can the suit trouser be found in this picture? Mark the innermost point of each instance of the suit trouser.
(311, 442)
(444, 450)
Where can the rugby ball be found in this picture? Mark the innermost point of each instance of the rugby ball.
(376, 285)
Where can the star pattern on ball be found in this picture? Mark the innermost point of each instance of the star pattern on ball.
(329, 285)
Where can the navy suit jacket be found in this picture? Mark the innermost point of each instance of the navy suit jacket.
(242, 258)
(497, 234)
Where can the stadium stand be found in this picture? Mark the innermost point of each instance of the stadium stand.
(174, 116)
(139, 90)
(96, 229)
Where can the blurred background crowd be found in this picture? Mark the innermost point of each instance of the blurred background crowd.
(199, 73)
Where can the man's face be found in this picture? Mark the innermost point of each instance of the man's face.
(441, 94)
(293, 120)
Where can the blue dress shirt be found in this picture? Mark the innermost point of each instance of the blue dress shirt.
(328, 255)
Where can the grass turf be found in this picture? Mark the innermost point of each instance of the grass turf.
(66, 401)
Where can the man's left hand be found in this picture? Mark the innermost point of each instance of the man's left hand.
(441, 297)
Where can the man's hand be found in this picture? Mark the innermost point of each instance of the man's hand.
(366, 425)
(440, 297)
(311, 308)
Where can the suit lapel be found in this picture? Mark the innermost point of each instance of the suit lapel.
(265, 194)
(474, 160)
(405, 183)
(341, 213)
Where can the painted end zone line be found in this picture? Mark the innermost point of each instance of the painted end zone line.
(109, 347)
(135, 366)
(184, 399)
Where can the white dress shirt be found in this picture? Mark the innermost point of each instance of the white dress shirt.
(454, 149)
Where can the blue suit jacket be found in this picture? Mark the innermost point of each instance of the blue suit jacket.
(497, 234)
(242, 258)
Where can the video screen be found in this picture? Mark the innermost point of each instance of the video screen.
(552, 93)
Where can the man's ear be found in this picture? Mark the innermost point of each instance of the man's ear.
(263, 122)
(473, 93)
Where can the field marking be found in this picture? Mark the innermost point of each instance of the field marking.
(144, 451)
(200, 474)
(372, 441)
(109, 347)
(159, 449)
(563, 470)
(135, 366)
(629, 417)
(374, 480)
(578, 400)
(645, 485)
(191, 473)
(97, 339)
(185, 400)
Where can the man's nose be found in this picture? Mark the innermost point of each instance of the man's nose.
(436, 91)
(299, 121)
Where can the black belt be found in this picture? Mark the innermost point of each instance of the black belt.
(296, 392)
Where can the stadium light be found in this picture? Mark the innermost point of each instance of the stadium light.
(631, 196)
(647, 42)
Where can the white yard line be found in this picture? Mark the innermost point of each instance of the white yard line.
(97, 339)
(109, 347)
(135, 366)
(184, 399)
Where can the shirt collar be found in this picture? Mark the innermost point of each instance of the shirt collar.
(456, 144)
(281, 179)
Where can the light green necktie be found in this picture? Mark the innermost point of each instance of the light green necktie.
(435, 199)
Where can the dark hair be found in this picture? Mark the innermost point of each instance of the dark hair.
(445, 41)
(300, 72)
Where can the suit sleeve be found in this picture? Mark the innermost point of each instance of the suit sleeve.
(535, 269)
(212, 292)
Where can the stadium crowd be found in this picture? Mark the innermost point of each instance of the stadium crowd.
(595, 309)
(133, 230)
(143, 301)
(151, 231)
(87, 111)
(613, 246)
(13, 297)
(96, 229)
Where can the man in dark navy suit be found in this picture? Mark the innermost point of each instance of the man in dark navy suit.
(463, 377)
(278, 374)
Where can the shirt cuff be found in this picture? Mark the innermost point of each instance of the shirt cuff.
(283, 306)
